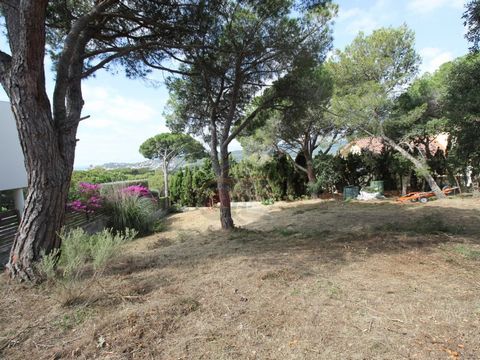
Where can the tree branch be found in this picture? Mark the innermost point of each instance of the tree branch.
(298, 166)
(66, 57)
(163, 68)
(246, 121)
(104, 62)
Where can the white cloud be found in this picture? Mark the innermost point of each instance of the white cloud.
(357, 19)
(433, 58)
(426, 6)
(117, 126)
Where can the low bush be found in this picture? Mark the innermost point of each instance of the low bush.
(80, 249)
(159, 226)
(130, 209)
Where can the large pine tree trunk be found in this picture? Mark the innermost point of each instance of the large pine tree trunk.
(49, 155)
(48, 141)
(420, 167)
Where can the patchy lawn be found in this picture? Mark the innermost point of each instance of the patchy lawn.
(303, 280)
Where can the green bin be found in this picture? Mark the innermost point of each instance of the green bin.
(377, 185)
(350, 192)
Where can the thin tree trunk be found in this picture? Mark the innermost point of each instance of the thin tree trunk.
(225, 203)
(420, 166)
(221, 167)
(458, 184)
(165, 183)
(405, 179)
(312, 178)
(223, 184)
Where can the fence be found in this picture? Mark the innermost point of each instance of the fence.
(10, 220)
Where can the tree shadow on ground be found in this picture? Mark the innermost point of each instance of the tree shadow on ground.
(320, 260)
(335, 233)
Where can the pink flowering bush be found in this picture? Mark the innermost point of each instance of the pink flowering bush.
(137, 190)
(89, 199)
(132, 207)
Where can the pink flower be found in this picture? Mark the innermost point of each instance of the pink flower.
(87, 187)
(137, 190)
(77, 205)
(89, 198)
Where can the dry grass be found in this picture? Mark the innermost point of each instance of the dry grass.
(304, 280)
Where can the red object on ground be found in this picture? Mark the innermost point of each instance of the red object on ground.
(418, 196)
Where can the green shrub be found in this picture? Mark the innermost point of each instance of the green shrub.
(78, 249)
(159, 226)
(327, 170)
(104, 246)
(193, 186)
(130, 211)
(268, 202)
(48, 264)
(74, 253)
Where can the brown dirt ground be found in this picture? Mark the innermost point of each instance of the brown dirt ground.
(303, 280)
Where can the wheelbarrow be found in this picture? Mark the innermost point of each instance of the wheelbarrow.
(424, 196)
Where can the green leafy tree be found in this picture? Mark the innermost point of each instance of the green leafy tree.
(248, 44)
(327, 173)
(462, 103)
(170, 148)
(370, 74)
(299, 125)
(424, 98)
(258, 178)
(471, 19)
(204, 184)
(193, 186)
(188, 193)
(176, 181)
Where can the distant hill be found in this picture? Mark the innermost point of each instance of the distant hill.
(237, 155)
(147, 164)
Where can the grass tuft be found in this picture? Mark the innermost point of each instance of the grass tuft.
(467, 252)
(183, 307)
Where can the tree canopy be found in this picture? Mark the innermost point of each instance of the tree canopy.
(298, 123)
(248, 45)
(471, 19)
(462, 103)
(370, 75)
(170, 146)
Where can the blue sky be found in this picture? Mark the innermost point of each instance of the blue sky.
(126, 112)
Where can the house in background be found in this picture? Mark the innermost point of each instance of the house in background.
(13, 175)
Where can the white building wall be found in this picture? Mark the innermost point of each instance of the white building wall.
(12, 166)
